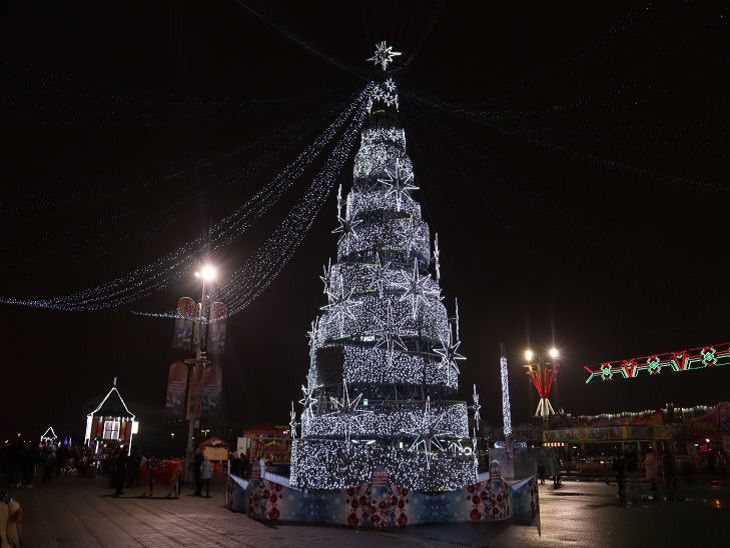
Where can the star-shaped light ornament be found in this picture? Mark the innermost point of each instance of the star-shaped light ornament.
(385, 93)
(326, 276)
(293, 422)
(341, 307)
(450, 356)
(383, 55)
(437, 257)
(377, 275)
(313, 336)
(476, 407)
(416, 288)
(347, 231)
(398, 183)
(427, 432)
(349, 409)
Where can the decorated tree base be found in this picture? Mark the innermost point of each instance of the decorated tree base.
(388, 505)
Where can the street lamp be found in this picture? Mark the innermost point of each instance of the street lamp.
(529, 355)
(554, 353)
(207, 273)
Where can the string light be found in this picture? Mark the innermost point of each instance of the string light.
(171, 267)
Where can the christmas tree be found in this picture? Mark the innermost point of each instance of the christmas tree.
(384, 351)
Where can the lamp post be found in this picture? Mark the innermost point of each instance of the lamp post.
(543, 374)
(206, 275)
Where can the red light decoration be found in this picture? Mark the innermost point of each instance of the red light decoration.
(676, 362)
(542, 375)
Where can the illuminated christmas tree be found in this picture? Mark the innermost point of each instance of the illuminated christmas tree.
(384, 351)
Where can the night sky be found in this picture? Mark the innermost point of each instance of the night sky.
(572, 157)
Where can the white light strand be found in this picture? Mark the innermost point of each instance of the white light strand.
(179, 263)
(506, 410)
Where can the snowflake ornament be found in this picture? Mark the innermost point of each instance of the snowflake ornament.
(383, 55)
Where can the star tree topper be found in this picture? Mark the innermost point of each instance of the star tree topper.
(383, 55)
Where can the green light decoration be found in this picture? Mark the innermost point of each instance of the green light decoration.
(677, 362)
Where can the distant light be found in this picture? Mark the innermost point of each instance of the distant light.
(707, 440)
(529, 355)
(554, 353)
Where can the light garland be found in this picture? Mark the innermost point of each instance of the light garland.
(677, 362)
(158, 274)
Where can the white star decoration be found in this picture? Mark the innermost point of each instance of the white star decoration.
(476, 407)
(293, 422)
(449, 355)
(307, 400)
(427, 432)
(417, 289)
(347, 230)
(398, 183)
(383, 55)
(326, 276)
(346, 407)
(437, 257)
(313, 335)
(340, 307)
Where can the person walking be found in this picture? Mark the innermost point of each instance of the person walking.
(197, 462)
(670, 469)
(651, 468)
(619, 469)
(206, 472)
(119, 475)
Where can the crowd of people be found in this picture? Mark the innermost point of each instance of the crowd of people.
(24, 462)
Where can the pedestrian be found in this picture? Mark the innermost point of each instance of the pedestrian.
(197, 461)
(244, 465)
(670, 469)
(133, 468)
(651, 468)
(119, 475)
(206, 472)
(541, 473)
(556, 468)
(619, 470)
(30, 461)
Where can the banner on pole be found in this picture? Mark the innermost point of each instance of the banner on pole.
(177, 378)
(183, 335)
(195, 392)
(217, 328)
(212, 385)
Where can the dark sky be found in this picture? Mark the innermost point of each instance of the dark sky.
(572, 157)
